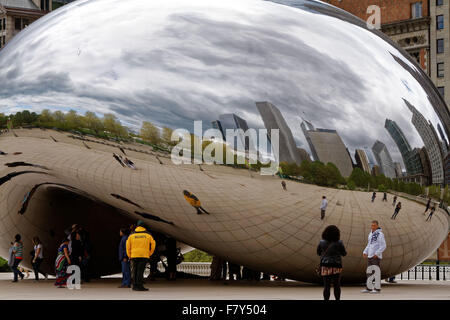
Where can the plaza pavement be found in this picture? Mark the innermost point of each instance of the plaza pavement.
(182, 289)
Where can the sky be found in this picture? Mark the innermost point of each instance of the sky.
(172, 62)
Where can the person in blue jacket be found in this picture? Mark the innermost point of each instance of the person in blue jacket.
(124, 260)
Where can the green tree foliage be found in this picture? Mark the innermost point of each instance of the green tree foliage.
(150, 132)
(197, 256)
(4, 265)
(351, 185)
(360, 178)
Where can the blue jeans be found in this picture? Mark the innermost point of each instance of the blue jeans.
(16, 270)
(126, 273)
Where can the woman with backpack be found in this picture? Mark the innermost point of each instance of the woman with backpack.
(331, 250)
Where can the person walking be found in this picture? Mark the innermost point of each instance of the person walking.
(385, 196)
(17, 251)
(193, 201)
(374, 195)
(61, 264)
(374, 250)
(391, 280)
(140, 246)
(331, 250)
(427, 206)
(123, 258)
(431, 213)
(38, 258)
(397, 210)
(283, 184)
(323, 207)
(394, 201)
(216, 268)
(77, 252)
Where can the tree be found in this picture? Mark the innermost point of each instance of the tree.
(150, 133)
(3, 120)
(73, 121)
(360, 177)
(92, 122)
(167, 135)
(46, 116)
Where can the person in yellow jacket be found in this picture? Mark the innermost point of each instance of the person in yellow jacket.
(193, 201)
(140, 246)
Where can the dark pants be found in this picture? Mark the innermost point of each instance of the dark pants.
(37, 267)
(395, 214)
(137, 271)
(373, 262)
(429, 216)
(16, 270)
(334, 279)
(126, 273)
(322, 214)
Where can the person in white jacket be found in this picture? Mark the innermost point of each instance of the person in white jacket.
(323, 207)
(376, 244)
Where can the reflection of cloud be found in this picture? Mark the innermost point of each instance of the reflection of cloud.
(173, 62)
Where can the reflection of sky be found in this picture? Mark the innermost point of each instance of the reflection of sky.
(172, 62)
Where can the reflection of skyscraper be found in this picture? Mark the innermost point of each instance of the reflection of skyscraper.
(233, 122)
(327, 146)
(273, 119)
(431, 142)
(398, 169)
(425, 164)
(410, 158)
(370, 157)
(217, 125)
(362, 161)
(444, 141)
(384, 159)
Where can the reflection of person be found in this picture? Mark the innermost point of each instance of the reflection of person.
(374, 195)
(193, 201)
(123, 258)
(391, 280)
(394, 201)
(374, 249)
(140, 246)
(397, 210)
(427, 206)
(385, 196)
(331, 250)
(283, 184)
(431, 213)
(323, 207)
(61, 264)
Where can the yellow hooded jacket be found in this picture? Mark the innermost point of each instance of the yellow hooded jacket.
(140, 244)
(193, 201)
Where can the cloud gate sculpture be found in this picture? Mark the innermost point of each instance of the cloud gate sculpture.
(336, 91)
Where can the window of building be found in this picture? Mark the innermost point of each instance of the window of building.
(440, 46)
(1, 24)
(440, 70)
(45, 5)
(416, 10)
(17, 23)
(439, 2)
(442, 91)
(440, 22)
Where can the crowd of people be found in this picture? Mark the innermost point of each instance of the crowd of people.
(75, 249)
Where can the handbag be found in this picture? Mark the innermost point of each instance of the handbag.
(318, 268)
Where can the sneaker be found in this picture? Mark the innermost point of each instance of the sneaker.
(365, 291)
(375, 291)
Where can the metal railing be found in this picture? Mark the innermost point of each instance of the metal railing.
(427, 272)
(419, 272)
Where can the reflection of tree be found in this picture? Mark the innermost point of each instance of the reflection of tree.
(150, 132)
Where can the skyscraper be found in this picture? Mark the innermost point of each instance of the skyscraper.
(398, 170)
(384, 159)
(431, 142)
(230, 121)
(362, 161)
(327, 146)
(410, 158)
(273, 119)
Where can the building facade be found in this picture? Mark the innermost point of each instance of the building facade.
(273, 119)
(362, 161)
(432, 145)
(327, 146)
(384, 159)
(15, 15)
